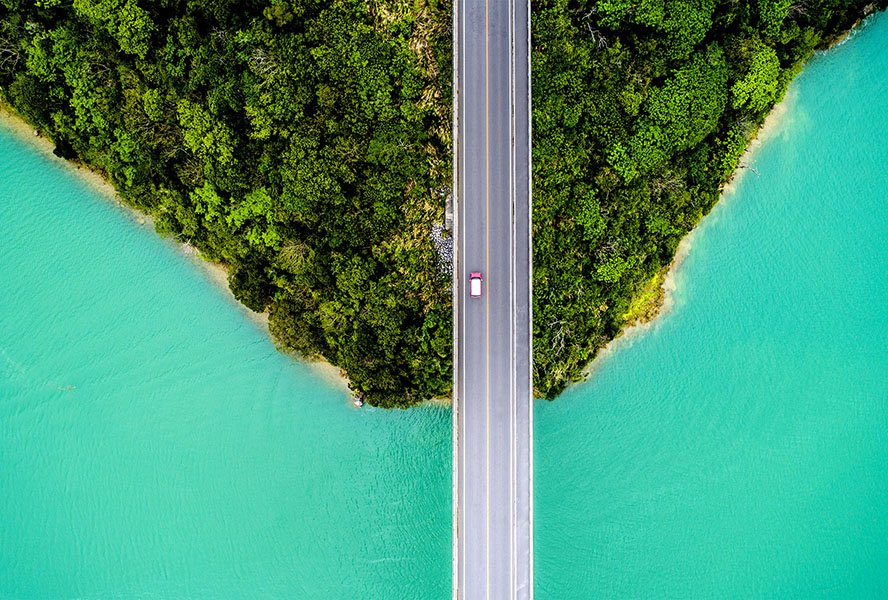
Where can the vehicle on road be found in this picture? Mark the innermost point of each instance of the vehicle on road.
(475, 285)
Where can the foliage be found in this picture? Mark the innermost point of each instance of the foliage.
(303, 143)
(306, 144)
(641, 111)
(758, 89)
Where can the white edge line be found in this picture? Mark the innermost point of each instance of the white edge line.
(530, 282)
(455, 409)
(513, 463)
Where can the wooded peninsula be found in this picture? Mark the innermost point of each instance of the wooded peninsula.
(307, 146)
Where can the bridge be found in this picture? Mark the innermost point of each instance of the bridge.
(492, 400)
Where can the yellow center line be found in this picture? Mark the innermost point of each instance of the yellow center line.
(487, 272)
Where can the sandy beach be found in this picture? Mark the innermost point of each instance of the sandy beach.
(772, 126)
(214, 271)
(218, 272)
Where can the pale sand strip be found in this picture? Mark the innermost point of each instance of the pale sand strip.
(218, 272)
(214, 271)
(774, 124)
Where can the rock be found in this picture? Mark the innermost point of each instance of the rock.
(444, 245)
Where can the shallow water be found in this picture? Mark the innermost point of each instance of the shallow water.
(153, 444)
(739, 448)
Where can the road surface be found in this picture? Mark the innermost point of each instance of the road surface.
(493, 428)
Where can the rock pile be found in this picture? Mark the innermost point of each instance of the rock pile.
(444, 245)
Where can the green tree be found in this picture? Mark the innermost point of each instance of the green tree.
(758, 89)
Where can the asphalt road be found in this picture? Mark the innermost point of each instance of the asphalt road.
(493, 427)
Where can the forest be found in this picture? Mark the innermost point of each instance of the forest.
(306, 145)
(641, 112)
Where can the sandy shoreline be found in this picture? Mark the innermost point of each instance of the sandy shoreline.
(215, 272)
(218, 272)
(771, 127)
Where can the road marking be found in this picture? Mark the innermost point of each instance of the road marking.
(487, 271)
(513, 407)
(529, 191)
(457, 385)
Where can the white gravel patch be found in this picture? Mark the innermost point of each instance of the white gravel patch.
(444, 245)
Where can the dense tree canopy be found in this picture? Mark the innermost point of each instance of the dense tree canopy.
(642, 109)
(306, 144)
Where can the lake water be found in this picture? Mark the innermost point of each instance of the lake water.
(739, 449)
(153, 444)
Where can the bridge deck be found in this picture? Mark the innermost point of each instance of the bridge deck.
(493, 550)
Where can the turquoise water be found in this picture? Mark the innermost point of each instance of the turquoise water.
(740, 448)
(153, 444)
